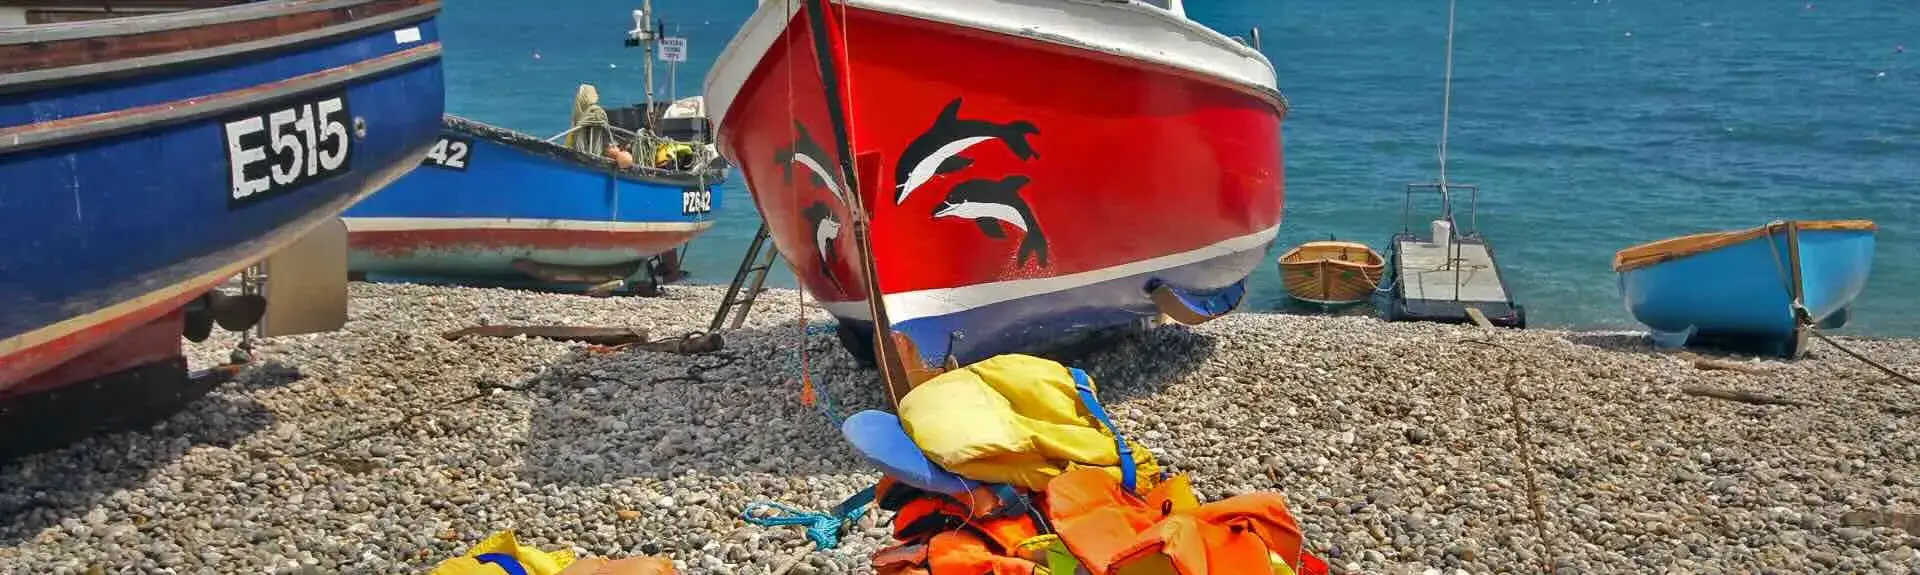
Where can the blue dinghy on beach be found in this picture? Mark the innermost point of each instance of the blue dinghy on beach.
(495, 207)
(1761, 287)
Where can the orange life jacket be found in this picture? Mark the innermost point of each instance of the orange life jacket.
(939, 535)
(1114, 532)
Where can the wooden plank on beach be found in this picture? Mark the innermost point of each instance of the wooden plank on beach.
(1479, 318)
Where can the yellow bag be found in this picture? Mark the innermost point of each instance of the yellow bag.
(500, 554)
(1014, 419)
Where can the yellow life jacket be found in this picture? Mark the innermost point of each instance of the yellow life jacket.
(1020, 420)
(500, 554)
(665, 154)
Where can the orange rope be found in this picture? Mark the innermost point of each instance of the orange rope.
(806, 377)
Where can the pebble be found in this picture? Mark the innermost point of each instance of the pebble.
(1391, 443)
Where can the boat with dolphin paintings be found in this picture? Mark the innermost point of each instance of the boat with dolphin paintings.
(991, 212)
(149, 152)
(1760, 288)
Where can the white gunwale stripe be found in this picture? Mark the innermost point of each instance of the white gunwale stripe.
(906, 306)
(359, 224)
(21, 138)
(1130, 30)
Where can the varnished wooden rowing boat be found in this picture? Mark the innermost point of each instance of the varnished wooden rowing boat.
(1331, 272)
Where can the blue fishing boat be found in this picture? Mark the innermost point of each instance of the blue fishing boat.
(603, 207)
(151, 151)
(1759, 288)
(492, 206)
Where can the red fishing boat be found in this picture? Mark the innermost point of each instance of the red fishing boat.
(1007, 173)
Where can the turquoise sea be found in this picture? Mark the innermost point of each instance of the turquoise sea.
(1590, 125)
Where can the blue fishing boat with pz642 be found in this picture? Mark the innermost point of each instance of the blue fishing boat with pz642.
(602, 207)
(1762, 288)
(151, 151)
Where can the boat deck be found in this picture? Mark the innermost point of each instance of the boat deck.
(1430, 289)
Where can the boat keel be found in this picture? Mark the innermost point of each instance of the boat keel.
(1671, 340)
(1193, 309)
(128, 384)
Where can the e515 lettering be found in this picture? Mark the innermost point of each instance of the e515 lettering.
(287, 147)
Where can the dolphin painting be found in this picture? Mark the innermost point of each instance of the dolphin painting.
(937, 151)
(989, 203)
(825, 230)
(808, 153)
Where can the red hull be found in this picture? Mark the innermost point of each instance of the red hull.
(1073, 163)
(97, 349)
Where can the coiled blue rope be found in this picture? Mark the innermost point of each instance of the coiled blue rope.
(822, 528)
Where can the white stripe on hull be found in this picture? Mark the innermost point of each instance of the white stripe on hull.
(912, 305)
(1132, 31)
(423, 224)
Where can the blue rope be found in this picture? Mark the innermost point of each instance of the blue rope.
(822, 528)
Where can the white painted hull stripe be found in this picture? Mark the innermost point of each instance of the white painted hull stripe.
(1132, 31)
(913, 305)
(439, 224)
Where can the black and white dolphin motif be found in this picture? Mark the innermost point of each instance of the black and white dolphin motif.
(937, 151)
(825, 230)
(808, 153)
(989, 202)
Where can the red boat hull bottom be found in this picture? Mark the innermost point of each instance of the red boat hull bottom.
(1021, 191)
(126, 384)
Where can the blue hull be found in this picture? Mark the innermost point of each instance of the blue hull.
(487, 199)
(1739, 294)
(176, 178)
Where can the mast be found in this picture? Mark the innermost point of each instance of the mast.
(1446, 109)
(825, 31)
(649, 38)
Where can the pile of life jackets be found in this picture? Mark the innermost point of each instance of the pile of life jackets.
(503, 554)
(1011, 466)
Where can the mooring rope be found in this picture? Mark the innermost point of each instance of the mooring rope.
(1804, 317)
(1515, 416)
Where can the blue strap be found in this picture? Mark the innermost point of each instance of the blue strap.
(504, 561)
(1085, 386)
(822, 528)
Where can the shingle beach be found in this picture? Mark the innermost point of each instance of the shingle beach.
(1394, 443)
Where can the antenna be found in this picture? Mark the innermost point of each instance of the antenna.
(643, 34)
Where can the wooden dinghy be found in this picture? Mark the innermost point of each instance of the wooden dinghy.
(1331, 272)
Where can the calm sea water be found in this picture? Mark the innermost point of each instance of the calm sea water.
(1589, 125)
